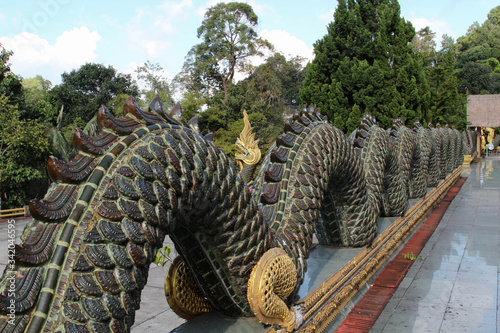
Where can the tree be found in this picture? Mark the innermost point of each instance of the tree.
(39, 102)
(366, 61)
(482, 41)
(10, 84)
(477, 51)
(477, 78)
(83, 91)
(228, 41)
(24, 149)
(278, 80)
(448, 43)
(157, 84)
(448, 106)
(268, 94)
(423, 43)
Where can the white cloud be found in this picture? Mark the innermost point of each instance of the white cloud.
(327, 17)
(151, 31)
(176, 9)
(131, 67)
(34, 55)
(438, 26)
(288, 44)
(143, 33)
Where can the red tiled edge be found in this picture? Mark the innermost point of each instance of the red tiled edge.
(366, 311)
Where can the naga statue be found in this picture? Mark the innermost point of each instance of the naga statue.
(84, 258)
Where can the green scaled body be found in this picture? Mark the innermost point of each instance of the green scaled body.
(84, 259)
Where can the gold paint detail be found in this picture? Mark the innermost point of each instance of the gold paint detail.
(40, 314)
(48, 290)
(183, 294)
(94, 186)
(469, 158)
(249, 152)
(83, 203)
(72, 222)
(273, 279)
(100, 168)
(63, 244)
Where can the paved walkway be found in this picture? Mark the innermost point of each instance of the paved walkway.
(454, 288)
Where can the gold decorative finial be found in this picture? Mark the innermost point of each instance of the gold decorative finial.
(249, 152)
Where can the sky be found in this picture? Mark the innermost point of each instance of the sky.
(49, 37)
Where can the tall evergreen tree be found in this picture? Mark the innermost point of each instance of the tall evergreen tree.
(366, 63)
(448, 106)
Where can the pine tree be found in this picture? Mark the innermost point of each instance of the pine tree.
(448, 105)
(366, 60)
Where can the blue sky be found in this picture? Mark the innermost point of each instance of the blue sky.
(49, 37)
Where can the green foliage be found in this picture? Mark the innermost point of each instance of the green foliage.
(448, 106)
(157, 84)
(412, 257)
(212, 119)
(366, 63)
(424, 44)
(278, 80)
(494, 64)
(266, 95)
(192, 102)
(10, 84)
(478, 56)
(163, 256)
(59, 147)
(38, 100)
(477, 78)
(69, 130)
(116, 104)
(24, 148)
(83, 91)
(270, 91)
(225, 139)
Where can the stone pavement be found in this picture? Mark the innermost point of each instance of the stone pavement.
(454, 288)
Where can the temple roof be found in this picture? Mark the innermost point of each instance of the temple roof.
(483, 110)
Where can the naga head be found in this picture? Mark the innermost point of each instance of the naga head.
(248, 150)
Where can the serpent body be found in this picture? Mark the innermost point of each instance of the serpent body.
(85, 257)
